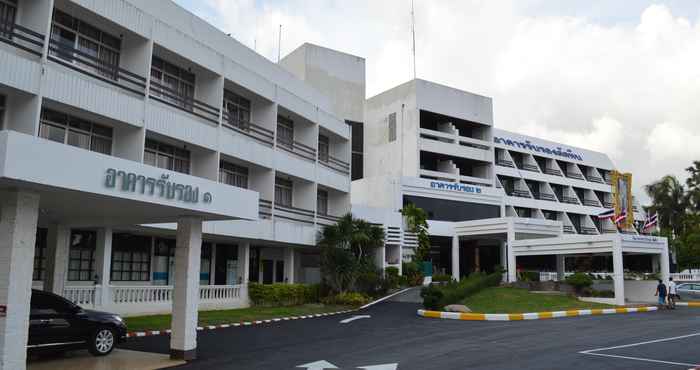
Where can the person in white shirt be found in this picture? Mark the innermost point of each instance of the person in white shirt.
(672, 293)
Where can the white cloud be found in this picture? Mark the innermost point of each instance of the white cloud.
(607, 86)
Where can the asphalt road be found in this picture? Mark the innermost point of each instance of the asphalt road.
(395, 334)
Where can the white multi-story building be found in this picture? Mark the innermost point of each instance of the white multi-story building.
(492, 197)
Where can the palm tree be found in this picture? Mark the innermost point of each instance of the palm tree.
(669, 200)
(345, 250)
(693, 186)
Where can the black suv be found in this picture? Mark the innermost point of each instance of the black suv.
(57, 323)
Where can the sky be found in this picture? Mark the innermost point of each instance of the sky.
(617, 76)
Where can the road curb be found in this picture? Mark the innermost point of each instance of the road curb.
(150, 333)
(531, 315)
(688, 304)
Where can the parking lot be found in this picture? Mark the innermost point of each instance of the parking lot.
(395, 337)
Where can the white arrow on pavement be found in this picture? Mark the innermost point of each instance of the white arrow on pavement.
(380, 367)
(358, 317)
(318, 365)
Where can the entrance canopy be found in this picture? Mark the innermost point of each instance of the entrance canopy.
(509, 228)
(79, 188)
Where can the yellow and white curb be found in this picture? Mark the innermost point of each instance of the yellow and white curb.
(688, 304)
(529, 316)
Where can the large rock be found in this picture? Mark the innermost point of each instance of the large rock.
(457, 308)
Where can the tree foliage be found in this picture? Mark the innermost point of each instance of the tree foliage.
(347, 251)
(417, 222)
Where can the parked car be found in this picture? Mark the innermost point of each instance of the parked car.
(57, 323)
(689, 291)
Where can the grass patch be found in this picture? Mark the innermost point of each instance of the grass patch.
(515, 300)
(162, 322)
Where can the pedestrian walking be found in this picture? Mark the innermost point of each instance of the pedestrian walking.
(672, 293)
(661, 293)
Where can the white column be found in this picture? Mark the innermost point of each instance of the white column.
(58, 249)
(19, 211)
(561, 267)
(103, 265)
(504, 259)
(183, 340)
(665, 264)
(289, 256)
(455, 258)
(244, 262)
(618, 272)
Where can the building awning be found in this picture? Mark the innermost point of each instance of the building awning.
(87, 189)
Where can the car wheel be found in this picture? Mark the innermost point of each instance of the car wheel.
(102, 342)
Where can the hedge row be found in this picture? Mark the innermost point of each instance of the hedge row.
(283, 294)
(436, 297)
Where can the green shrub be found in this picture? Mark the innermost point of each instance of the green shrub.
(442, 278)
(347, 299)
(529, 276)
(283, 294)
(392, 277)
(435, 297)
(579, 281)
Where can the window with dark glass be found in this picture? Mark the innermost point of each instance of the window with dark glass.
(131, 258)
(233, 174)
(171, 83)
(285, 131)
(323, 148)
(8, 12)
(205, 264)
(237, 109)
(81, 258)
(166, 156)
(322, 202)
(2, 112)
(357, 150)
(283, 192)
(40, 254)
(76, 41)
(66, 129)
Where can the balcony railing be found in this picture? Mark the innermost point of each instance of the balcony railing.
(265, 209)
(519, 193)
(608, 205)
(529, 167)
(546, 196)
(188, 104)
(249, 129)
(573, 175)
(22, 38)
(589, 230)
(569, 200)
(568, 229)
(595, 179)
(591, 203)
(294, 214)
(87, 64)
(335, 164)
(297, 148)
(327, 219)
(608, 181)
(609, 231)
(505, 163)
(552, 171)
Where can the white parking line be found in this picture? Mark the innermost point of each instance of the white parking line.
(593, 352)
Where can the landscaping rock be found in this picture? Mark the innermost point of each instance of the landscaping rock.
(457, 308)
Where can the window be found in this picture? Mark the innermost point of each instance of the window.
(205, 264)
(166, 156)
(283, 192)
(66, 129)
(285, 131)
(49, 304)
(8, 12)
(392, 127)
(172, 83)
(131, 258)
(40, 254)
(322, 202)
(233, 175)
(2, 110)
(237, 108)
(79, 42)
(81, 258)
(323, 148)
(357, 129)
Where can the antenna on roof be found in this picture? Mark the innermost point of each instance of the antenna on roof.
(413, 32)
(279, 44)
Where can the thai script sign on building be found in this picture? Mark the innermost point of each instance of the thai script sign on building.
(162, 187)
(558, 151)
(455, 186)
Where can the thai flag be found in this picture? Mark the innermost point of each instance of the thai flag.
(608, 214)
(621, 217)
(651, 221)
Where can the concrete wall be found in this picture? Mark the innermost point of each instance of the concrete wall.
(641, 291)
